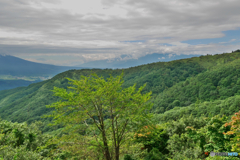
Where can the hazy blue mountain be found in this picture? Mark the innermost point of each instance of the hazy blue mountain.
(18, 68)
(16, 72)
(10, 65)
(150, 58)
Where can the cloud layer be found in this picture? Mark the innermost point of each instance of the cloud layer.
(107, 29)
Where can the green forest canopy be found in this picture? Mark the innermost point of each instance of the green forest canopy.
(191, 101)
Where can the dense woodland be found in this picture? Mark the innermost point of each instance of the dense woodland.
(193, 110)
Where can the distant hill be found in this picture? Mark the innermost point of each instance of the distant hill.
(10, 65)
(175, 84)
(10, 84)
(120, 63)
(16, 72)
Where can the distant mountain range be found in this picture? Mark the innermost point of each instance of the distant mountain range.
(120, 63)
(17, 72)
(10, 65)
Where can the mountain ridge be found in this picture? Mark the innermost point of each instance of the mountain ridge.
(11, 65)
(121, 63)
(17, 72)
(160, 77)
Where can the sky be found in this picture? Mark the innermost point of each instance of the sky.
(72, 32)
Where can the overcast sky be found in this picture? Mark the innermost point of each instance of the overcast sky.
(70, 32)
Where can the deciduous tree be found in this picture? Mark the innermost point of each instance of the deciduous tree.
(108, 111)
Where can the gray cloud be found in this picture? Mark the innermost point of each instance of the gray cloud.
(58, 31)
(46, 49)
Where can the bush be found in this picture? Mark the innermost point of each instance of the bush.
(154, 154)
(128, 157)
(153, 137)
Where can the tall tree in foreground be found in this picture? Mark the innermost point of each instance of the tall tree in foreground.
(109, 112)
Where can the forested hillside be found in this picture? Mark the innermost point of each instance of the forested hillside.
(220, 81)
(173, 84)
(10, 84)
(183, 93)
(28, 104)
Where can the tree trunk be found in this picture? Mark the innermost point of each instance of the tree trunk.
(106, 149)
(117, 153)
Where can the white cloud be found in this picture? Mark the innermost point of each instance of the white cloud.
(162, 58)
(97, 29)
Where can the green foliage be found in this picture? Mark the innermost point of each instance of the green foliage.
(222, 107)
(10, 84)
(234, 125)
(157, 76)
(179, 126)
(217, 83)
(154, 154)
(103, 113)
(196, 140)
(21, 141)
(108, 111)
(128, 157)
(183, 146)
(19, 153)
(153, 137)
(217, 142)
(204, 78)
(221, 158)
(185, 141)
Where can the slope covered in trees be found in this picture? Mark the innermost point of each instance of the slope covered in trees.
(173, 84)
(193, 105)
(28, 103)
(10, 84)
(218, 82)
